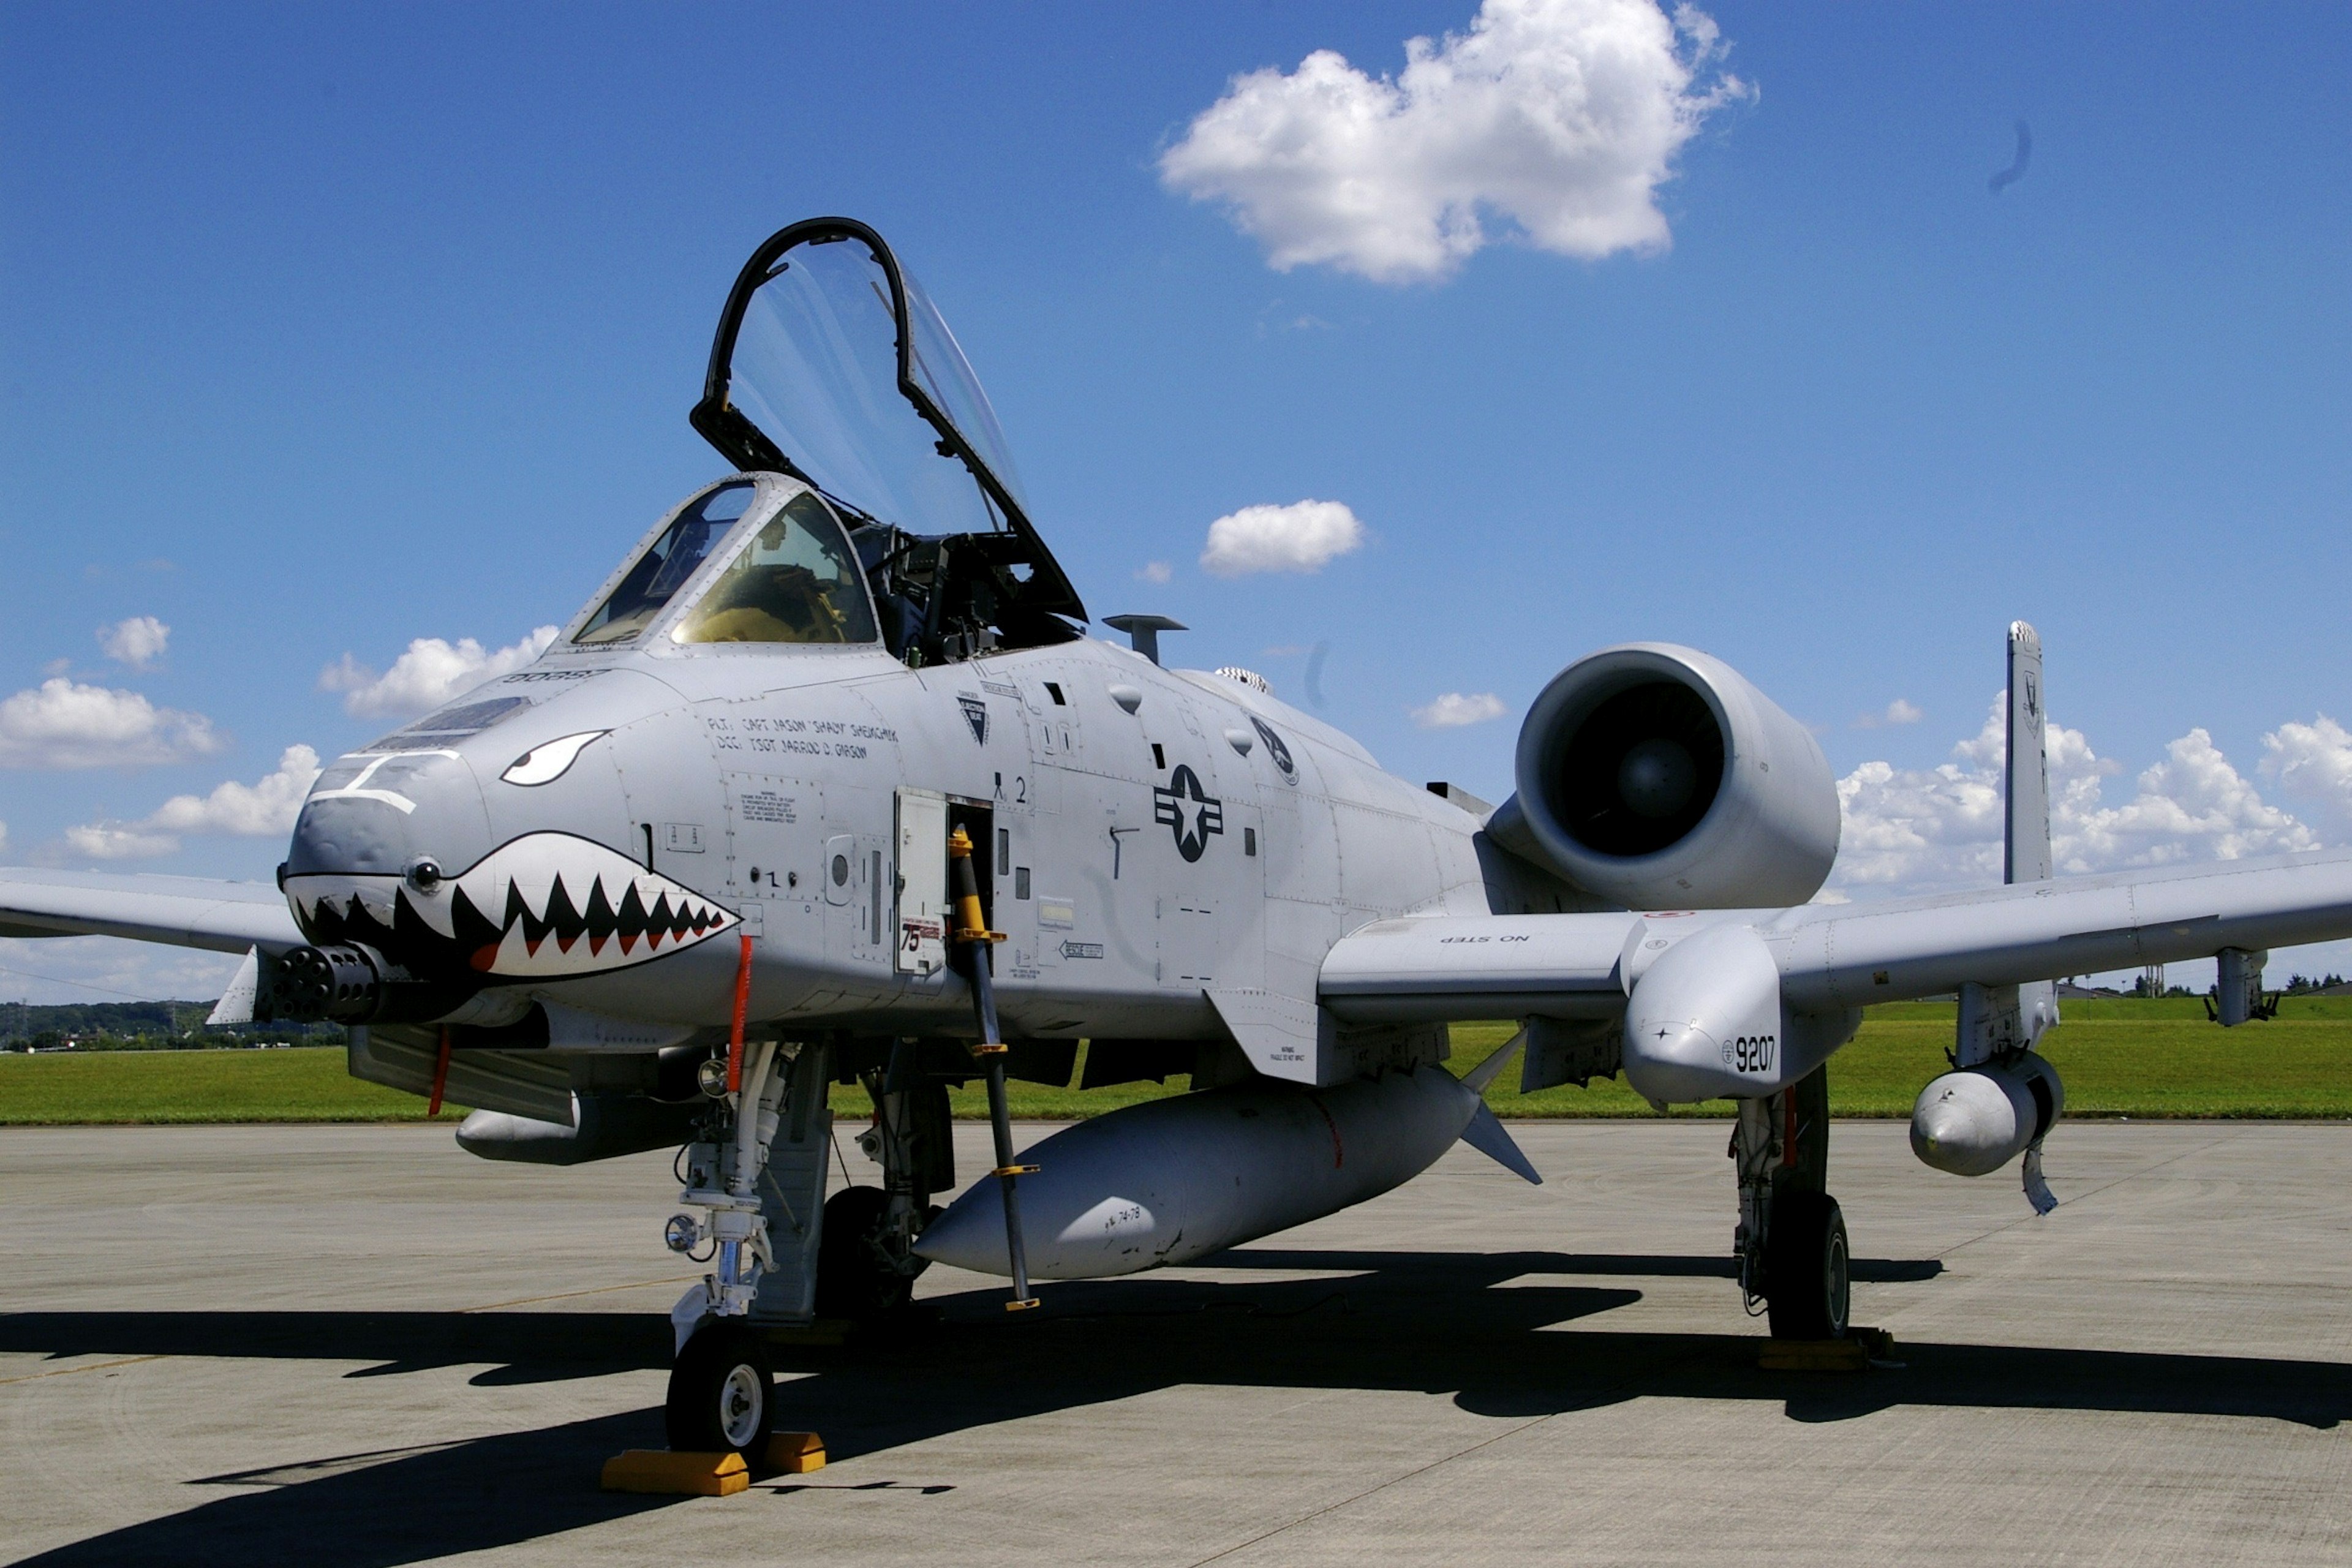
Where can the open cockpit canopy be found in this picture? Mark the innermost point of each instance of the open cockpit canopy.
(832, 365)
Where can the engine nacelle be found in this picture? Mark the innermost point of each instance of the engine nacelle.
(1658, 777)
(1973, 1122)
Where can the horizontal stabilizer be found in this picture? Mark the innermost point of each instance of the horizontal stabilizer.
(1486, 1135)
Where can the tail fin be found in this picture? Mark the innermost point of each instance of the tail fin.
(1997, 1020)
(2025, 837)
(2000, 1020)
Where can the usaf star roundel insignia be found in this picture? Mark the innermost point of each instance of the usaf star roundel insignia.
(1188, 811)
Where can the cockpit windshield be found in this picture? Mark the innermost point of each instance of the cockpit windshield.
(658, 575)
(795, 581)
(816, 368)
(831, 364)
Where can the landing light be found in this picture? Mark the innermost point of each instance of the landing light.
(712, 1077)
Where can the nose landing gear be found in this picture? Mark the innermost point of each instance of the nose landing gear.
(720, 1391)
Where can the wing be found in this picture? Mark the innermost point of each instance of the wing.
(185, 912)
(1846, 955)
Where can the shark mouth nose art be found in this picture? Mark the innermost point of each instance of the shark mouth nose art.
(544, 906)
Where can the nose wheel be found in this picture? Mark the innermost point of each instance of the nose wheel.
(720, 1391)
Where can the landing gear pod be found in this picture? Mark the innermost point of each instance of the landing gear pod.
(1705, 1019)
(1974, 1122)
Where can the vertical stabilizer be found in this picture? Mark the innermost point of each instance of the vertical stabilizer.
(1997, 1022)
(2025, 837)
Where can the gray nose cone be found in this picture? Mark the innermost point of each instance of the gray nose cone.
(377, 813)
(967, 1237)
(1943, 1133)
(1966, 1124)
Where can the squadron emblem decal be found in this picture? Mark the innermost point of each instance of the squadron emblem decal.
(1169, 803)
(975, 713)
(1277, 751)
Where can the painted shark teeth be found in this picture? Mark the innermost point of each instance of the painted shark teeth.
(544, 906)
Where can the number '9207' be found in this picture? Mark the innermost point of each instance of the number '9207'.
(1749, 1053)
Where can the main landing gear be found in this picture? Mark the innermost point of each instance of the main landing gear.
(867, 1264)
(1791, 1241)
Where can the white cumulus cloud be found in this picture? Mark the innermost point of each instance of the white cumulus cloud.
(137, 642)
(1937, 829)
(1898, 712)
(1558, 120)
(1305, 536)
(260, 810)
(1156, 572)
(1455, 709)
(63, 723)
(2313, 762)
(430, 673)
(118, 841)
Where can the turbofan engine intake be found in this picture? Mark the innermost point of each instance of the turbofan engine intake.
(1658, 776)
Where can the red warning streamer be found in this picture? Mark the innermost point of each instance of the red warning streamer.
(440, 1074)
(735, 1031)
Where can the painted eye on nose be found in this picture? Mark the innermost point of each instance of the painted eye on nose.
(546, 764)
(423, 874)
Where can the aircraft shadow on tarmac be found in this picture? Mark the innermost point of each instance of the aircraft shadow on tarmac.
(1490, 1329)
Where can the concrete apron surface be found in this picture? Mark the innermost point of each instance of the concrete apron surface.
(358, 1345)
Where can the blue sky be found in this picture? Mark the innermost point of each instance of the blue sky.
(323, 329)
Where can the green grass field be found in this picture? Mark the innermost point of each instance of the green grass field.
(2118, 1058)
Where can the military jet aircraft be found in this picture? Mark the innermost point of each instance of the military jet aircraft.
(826, 784)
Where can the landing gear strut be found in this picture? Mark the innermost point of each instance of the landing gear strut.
(866, 1263)
(1791, 1241)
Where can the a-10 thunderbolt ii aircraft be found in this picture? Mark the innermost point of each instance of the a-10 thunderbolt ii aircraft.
(825, 784)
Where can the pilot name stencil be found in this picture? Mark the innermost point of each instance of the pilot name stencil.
(1169, 803)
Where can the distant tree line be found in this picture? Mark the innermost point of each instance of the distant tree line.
(143, 1026)
(2301, 984)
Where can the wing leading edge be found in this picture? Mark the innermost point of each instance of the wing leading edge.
(1836, 956)
(181, 911)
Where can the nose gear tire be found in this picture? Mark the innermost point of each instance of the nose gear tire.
(722, 1391)
(1807, 1278)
